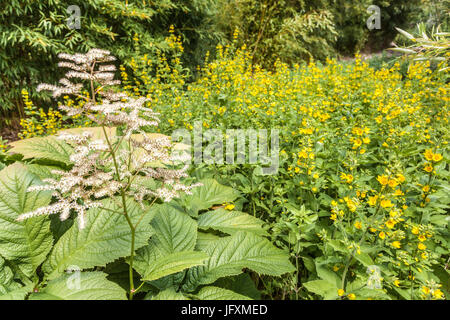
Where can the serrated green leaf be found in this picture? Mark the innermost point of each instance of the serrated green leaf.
(230, 222)
(242, 284)
(168, 294)
(209, 194)
(48, 148)
(229, 255)
(204, 239)
(174, 231)
(81, 286)
(106, 237)
(216, 293)
(17, 294)
(28, 242)
(173, 263)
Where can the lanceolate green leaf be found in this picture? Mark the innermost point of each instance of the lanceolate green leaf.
(48, 148)
(216, 293)
(26, 243)
(230, 222)
(229, 255)
(175, 232)
(322, 288)
(105, 238)
(81, 286)
(172, 263)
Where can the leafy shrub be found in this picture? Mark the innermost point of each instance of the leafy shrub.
(363, 169)
(113, 186)
(288, 30)
(434, 48)
(34, 32)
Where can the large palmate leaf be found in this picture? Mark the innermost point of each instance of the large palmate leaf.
(53, 149)
(230, 222)
(229, 255)
(26, 243)
(106, 237)
(210, 193)
(97, 132)
(48, 148)
(216, 293)
(242, 284)
(175, 232)
(17, 294)
(81, 286)
(173, 263)
(204, 239)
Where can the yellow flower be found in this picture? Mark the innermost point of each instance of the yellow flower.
(333, 216)
(382, 235)
(428, 154)
(397, 283)
(351, 296)
(386, 203)
(358, 225)
(425, 290)
(400, 178)
(438, 294)
(372, 200)
(426, 188)
(383, 180)
(428, 168)
(421, 246)
(341, 292)
(229, 207)
(390, 223)
(396, 244)
(392, 183)
(437, 157)
(415, 230)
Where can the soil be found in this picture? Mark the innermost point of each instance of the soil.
(10, 131)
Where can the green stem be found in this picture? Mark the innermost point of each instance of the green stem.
(350, 258)
(125, 212)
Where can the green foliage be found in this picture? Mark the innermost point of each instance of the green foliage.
(105, 240)
(351, 17)
(26, 244)
(434, 48)
(32, 33)
(288, 30)
(167, 257)
(82, 286)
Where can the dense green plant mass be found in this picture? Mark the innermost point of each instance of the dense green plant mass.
(32, 33)
(113, 188)
(363, 175)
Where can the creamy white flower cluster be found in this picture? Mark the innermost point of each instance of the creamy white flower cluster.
(116, 164)
(81, 187)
